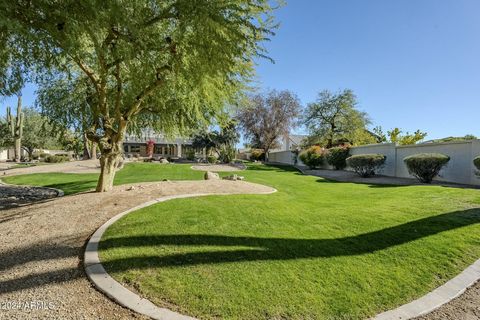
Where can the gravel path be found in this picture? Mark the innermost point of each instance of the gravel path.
(42, 246)
(84, 166)
(217, 167)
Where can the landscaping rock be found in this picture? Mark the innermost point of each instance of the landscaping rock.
(13, 196)
(233, 177)
(164, 161)
(211, 176)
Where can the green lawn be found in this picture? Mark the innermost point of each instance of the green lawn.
(72, 183)
(316, 249)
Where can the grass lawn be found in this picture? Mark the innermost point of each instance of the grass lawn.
(72, 183)
(316, 249)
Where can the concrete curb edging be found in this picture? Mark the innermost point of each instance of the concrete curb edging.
(436, 298)
(97, 274)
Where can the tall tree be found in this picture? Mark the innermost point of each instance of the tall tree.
(167, 64)
(37, 133)
(334, 118)
(267, 117)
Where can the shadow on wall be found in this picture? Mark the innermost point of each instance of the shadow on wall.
(282, 249)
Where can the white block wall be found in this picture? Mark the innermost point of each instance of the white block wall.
(460, 168)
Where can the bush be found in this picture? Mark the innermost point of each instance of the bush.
(313, 157)
(190, 155)
(56, 158)
(366, 165)
(426, 166)
(211, 159)
(257, 155)
(337, 157)
(476, 162)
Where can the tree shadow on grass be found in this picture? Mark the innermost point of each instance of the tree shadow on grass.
(262, 249)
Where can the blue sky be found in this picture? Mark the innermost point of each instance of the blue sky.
(414, 64)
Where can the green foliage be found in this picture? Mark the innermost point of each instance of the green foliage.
(168, 65)
(38, 133)
(337, 157)
(426, 166)
(395, 136)
(190, 155)
(56, 158)
(222, 143)
(211, 159)
(5, 137)
(467, 137)
(313, 157)
(257, 155)
(334, 119)
(476, 162)
(366, 165)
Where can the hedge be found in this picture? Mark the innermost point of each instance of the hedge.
(337, 157)
(366, 165)
(426, 166)
(313, 157)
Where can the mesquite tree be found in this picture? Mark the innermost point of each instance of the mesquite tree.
(267, 117)
(168, 64)
(334, 118)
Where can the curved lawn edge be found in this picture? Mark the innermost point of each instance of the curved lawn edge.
(100, 278)
(60, 192)
(437, 297)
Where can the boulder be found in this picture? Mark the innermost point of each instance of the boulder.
(211, 176)
(164, 161)
(233, 177)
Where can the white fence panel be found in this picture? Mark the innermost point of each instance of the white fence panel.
(460, 168)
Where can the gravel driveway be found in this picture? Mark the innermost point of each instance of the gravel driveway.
(41, 272)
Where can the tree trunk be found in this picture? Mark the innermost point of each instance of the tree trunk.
(18, 147)
(86, 152)
(109, 162)
(93, 152)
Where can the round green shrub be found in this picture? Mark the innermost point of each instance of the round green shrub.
(212, 159)
(190, 155)
(476, 162)
(426, 166)
(366, 165)
(257, 155)
(337, 157)
(313, 157)
(56, 158)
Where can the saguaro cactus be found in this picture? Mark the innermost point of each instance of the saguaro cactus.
(16, 127)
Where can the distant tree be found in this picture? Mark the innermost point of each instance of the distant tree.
(37, 133)
(169, 65)
(72, 141)
(222, 143)
(449, 139)
(395, 136)
(5, 136)
(205, 139)
(382, 137)
(267, 117)
(227, 140)
(334, 119)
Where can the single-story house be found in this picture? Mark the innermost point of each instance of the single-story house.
(163, 147)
